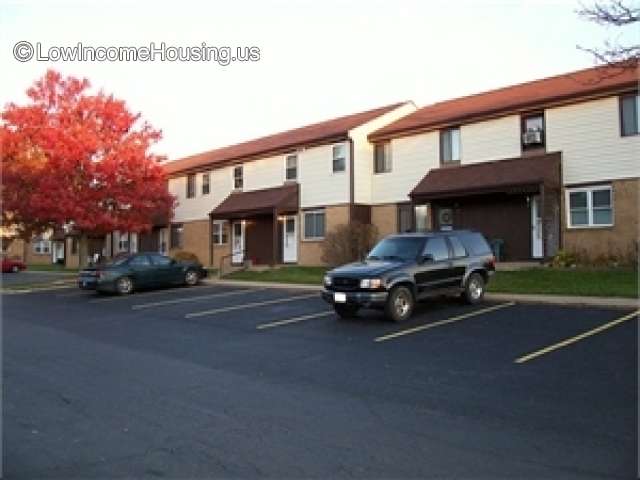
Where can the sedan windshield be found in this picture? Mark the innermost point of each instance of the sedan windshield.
(398, 248)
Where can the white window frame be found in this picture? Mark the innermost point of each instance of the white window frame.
(333, 158)
(386, 146)
(218, 235)
(42, 247)
(589, 190)
(286, 157)
(208, 176)
(233, 177)
(304, 224)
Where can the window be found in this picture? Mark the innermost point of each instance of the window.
(590, 207)
(437, 248)
(291, 167)
(206, 179)
(382, 157)
(42, 246)
(140, 261)
(219, 232)
(457, 247)
(405, 218)
(629, 113)
(339, 158)
(123, 242)
(160, 260)
(314, 225)
(177, 231)
(421, 217)
(450, 146)
(237, 177)
(405, 248)
(191, 186)
(533, 131)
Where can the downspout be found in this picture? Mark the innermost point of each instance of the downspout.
(351, 180)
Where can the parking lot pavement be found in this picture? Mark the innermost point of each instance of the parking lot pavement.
(28, 277)
(251, 382)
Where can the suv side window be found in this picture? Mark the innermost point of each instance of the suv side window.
(475, 243)
(437, 248)
(457, 247)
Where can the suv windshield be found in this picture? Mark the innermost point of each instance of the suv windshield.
(397, 248)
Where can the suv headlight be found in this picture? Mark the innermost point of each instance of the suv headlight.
(327, 280)
(370, 283)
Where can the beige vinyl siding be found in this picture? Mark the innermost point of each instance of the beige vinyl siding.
(199, 207)
(588, 135)
(363, 151)
(412, 158)
(319, 185)
(490, 140)
(264, 173)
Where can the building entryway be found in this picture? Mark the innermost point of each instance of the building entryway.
(290, 240)
(537, 250)
(237, 242)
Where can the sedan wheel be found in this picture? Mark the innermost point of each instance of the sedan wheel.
(124, 286)
(191, 278)
(15, 269)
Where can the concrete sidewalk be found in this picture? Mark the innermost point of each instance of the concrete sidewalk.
(609, 302)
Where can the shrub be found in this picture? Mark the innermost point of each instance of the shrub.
(564, 259)
(182, 256)
(348, 243)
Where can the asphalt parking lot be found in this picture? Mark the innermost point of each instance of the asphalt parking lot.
(218, 381)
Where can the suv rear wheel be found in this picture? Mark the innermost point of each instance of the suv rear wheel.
(400, 304)
(346, 311)
(474, 289)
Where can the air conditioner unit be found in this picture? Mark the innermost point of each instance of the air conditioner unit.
(532, 137)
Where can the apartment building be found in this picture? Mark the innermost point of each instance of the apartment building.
(544, 165)
(271, 200)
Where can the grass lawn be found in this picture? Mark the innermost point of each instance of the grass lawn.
(574, 282)
(303, 275)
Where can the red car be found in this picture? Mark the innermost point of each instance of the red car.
(12, 265)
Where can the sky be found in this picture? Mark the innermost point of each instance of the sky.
(318, 59)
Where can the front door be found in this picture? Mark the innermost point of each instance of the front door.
(289, 240)
(237, 243)
(536, 228)
(58, 252)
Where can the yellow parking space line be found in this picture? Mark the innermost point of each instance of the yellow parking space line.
(446, 321)
(577, 338)
(173, 301)
(288, 321)
(248, 305)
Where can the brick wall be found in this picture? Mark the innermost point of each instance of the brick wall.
(196, 239)
(385, 218)
(310, 251)
(616, 240)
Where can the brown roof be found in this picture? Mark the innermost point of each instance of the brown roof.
(258, 202)
(490, 177)
(566, 88)
(323, 132)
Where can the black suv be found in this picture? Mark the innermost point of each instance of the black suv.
(405, 268)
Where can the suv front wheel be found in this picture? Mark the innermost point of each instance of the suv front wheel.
(400, 304)
(474, 289)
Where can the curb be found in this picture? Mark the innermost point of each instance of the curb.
(609, 302)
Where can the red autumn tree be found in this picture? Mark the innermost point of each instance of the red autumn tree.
(74, 158)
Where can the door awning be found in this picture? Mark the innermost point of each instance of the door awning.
(258, 202)
(515, 175)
